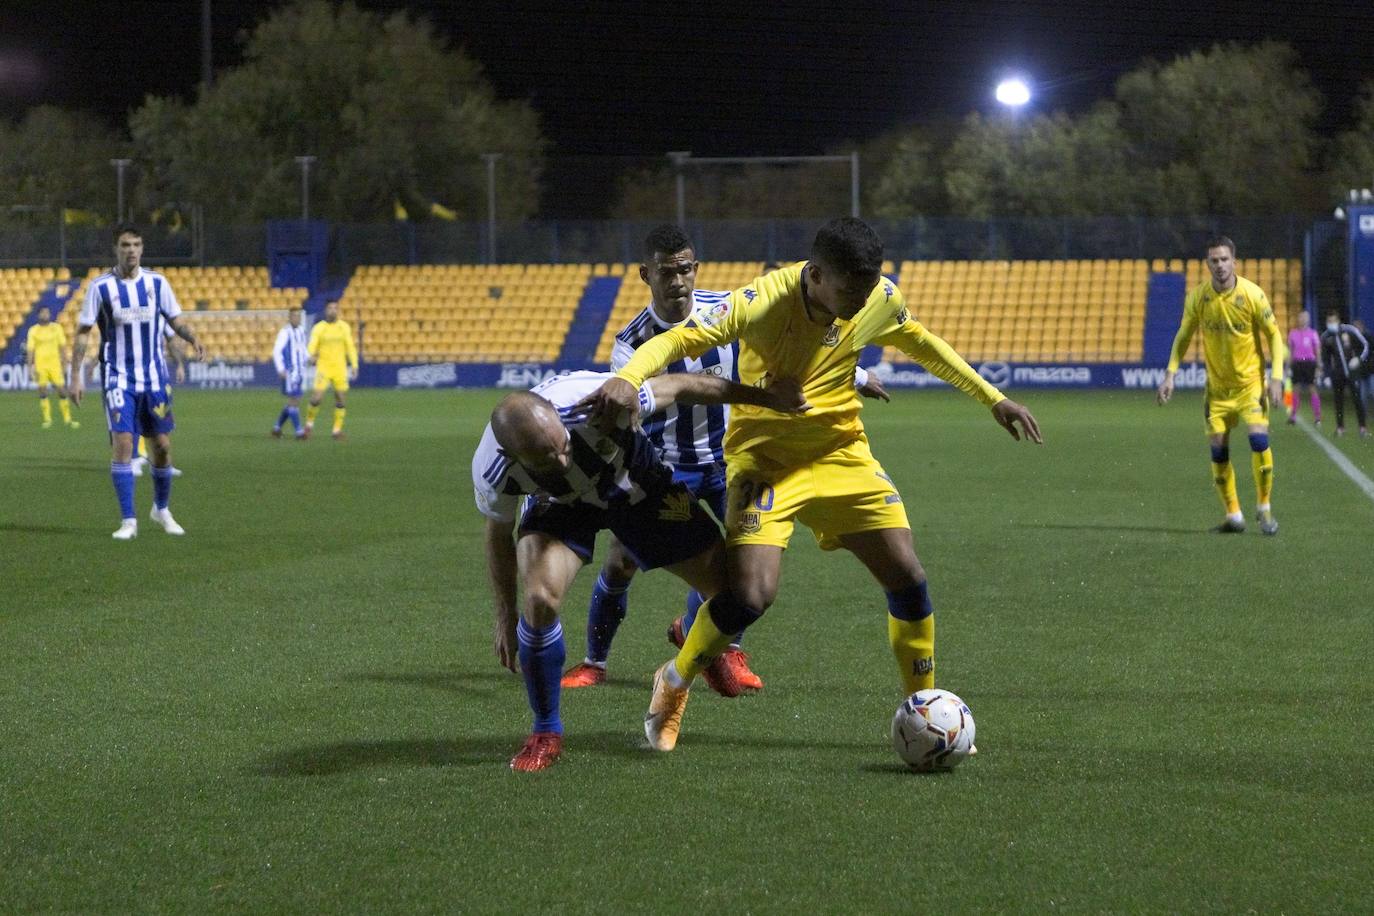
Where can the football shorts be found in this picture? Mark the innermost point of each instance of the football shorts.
(1224, 409)
(666, 527)
(147, 413)
(324, 379)
(1304, 371)
(707, 482)
(293, 384)
(49, 374)
(844, 492)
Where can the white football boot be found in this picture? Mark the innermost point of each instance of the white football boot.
(128, 530)
(164, 518)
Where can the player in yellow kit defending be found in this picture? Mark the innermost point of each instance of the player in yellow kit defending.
(46, 347)
(1234, 314)
(335, 356)
(807, 323)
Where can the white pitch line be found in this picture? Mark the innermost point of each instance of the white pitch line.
(1342, 462)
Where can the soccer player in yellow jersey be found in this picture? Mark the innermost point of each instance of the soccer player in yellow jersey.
(335, 356)
(46, 347)
(806, 323)
(1234, 315)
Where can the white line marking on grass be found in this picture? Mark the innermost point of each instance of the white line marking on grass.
(1342, 462)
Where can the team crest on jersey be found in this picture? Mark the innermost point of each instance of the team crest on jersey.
(903, 315)
(832, 335)
(749, 522)
(749, 293)
(888, 290)
(116, 416)
(161, 411)
(713, 316)
(677, 507)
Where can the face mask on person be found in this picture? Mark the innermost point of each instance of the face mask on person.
(1333, 326)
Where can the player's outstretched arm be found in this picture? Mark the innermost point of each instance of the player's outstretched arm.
(1009, 414)
(501, 569)
(782, 395)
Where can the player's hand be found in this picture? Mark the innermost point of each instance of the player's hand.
(200, 350)
(76, 388)
(352, 374)
(282, 376)
(1008, 413)
(873, 388)
(1275, 392)
(1354, 363)
(610, 404)
(1166, 390)
(506, 645)
(785, 395)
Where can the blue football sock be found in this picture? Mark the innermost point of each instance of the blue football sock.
(282, 418)
(123, 477)
(604, 614)
(294, 414)
(694, 603)
(162, 486)
(542, 654)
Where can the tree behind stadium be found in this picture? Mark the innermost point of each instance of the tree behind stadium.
(390, 111)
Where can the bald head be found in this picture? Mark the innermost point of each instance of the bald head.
(528, 429)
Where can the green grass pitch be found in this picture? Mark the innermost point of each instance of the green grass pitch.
(296, 707)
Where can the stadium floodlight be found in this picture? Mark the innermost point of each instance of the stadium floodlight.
(1013, 92)
(119, 166)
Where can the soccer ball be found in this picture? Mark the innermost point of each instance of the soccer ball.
(932, 730)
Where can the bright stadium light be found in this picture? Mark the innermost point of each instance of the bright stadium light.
(1013, 92)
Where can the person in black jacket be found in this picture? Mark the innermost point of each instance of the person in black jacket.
(1344, 351)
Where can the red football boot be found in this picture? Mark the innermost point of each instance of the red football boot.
(729, 675)
(583, 675)
(540, 752)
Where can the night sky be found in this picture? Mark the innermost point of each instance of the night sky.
(716, 78)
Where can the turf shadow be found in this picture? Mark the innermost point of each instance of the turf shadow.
(348, 756)
(42, 529)
(1089, 526)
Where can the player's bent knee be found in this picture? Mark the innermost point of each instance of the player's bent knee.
(1259, 442)
(1221, 454)
(731, 614)
(541, 606)
(911, 602)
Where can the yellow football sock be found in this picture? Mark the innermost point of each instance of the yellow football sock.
(338, 418)
(311, 413)
(1263, 465)
(46, 408)
(704, 642)
(913, 644)
(1224, 477)
(65, 406)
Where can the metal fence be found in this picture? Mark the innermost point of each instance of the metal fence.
(592, 241)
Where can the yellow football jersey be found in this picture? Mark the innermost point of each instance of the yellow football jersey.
(777, 340)
(331, 343)
(45, 342)
(1232, 324)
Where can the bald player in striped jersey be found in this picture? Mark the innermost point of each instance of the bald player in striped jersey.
(573, 481)
(692, 438)
(132, 308)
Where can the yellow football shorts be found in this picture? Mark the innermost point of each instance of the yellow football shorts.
(324, 379)
(1225, 409)
(845, 492)
(49, 374)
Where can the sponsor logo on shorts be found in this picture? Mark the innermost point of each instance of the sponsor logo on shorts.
(883, 476)
(116, 416)
(892, 498)
(677, 507)
(750, 522)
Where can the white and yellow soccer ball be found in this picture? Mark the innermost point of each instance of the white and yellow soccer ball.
(933, 730)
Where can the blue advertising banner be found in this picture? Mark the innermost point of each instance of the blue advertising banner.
(1005, 375)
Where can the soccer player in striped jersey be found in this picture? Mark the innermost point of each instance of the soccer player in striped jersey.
(46, 346)
(807, 323)
(574, 480)
(132, 307)
(289, 355)
(1233, 315)
(691, 437)
(335, 355)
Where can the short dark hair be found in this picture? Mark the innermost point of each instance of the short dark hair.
(123, 229)
(1221, 241)
(849, 245)
(666, 239)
